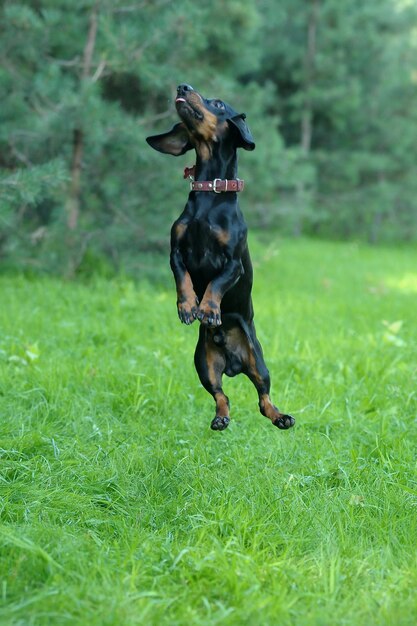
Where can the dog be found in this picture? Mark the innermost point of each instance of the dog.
(209, 252)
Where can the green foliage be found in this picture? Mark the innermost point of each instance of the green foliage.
(334, 119)
(357, 82)
(120, 506)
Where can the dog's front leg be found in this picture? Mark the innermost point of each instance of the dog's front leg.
(209, 309)
(187, 301)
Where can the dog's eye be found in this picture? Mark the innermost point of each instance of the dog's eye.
(218, 104)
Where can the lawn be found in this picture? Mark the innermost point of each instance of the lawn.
(119, 505)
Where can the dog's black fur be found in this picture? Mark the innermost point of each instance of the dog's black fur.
(209, 253)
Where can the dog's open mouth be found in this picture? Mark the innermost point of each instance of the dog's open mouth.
(187, 109)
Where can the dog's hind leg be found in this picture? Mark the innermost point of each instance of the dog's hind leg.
(244, 354)
(258, 373)
(210, 363)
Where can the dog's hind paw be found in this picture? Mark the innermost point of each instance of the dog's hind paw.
(284, 422)
(220, 423)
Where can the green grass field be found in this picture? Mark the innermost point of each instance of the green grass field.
(119, 505)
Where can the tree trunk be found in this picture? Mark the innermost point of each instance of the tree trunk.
(73, 202)
(306, 123)
(309, 70)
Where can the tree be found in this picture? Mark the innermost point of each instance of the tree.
(343, 72)
(329, 87)
(90, 81)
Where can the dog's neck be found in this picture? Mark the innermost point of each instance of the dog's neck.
(223, 164)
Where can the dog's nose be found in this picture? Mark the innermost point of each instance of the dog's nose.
(183, 89)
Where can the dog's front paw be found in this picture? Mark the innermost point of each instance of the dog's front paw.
(187, 312)
(209, 313)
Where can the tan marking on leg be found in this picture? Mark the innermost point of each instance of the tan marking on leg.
(211, 297)
(186, 289)
(187, 301)
(222, 405)
(214, 358)
(210, 307)
(257, 378)
(268, 409)
(215, 365)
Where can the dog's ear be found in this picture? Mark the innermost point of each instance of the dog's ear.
(175, 142)
(246, 139)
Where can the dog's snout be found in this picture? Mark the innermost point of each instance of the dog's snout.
(183, 89)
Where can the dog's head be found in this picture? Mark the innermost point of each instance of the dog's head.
(204, 122)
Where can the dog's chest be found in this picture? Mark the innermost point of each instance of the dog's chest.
(204, 245)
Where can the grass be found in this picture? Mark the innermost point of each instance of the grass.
(119, 506)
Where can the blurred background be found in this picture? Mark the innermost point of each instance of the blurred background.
(329, 88)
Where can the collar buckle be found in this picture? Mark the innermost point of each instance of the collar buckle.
(215, 181)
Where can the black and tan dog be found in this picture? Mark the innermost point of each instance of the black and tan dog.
(209, 253)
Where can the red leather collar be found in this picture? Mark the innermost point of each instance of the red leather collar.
(218, 185)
